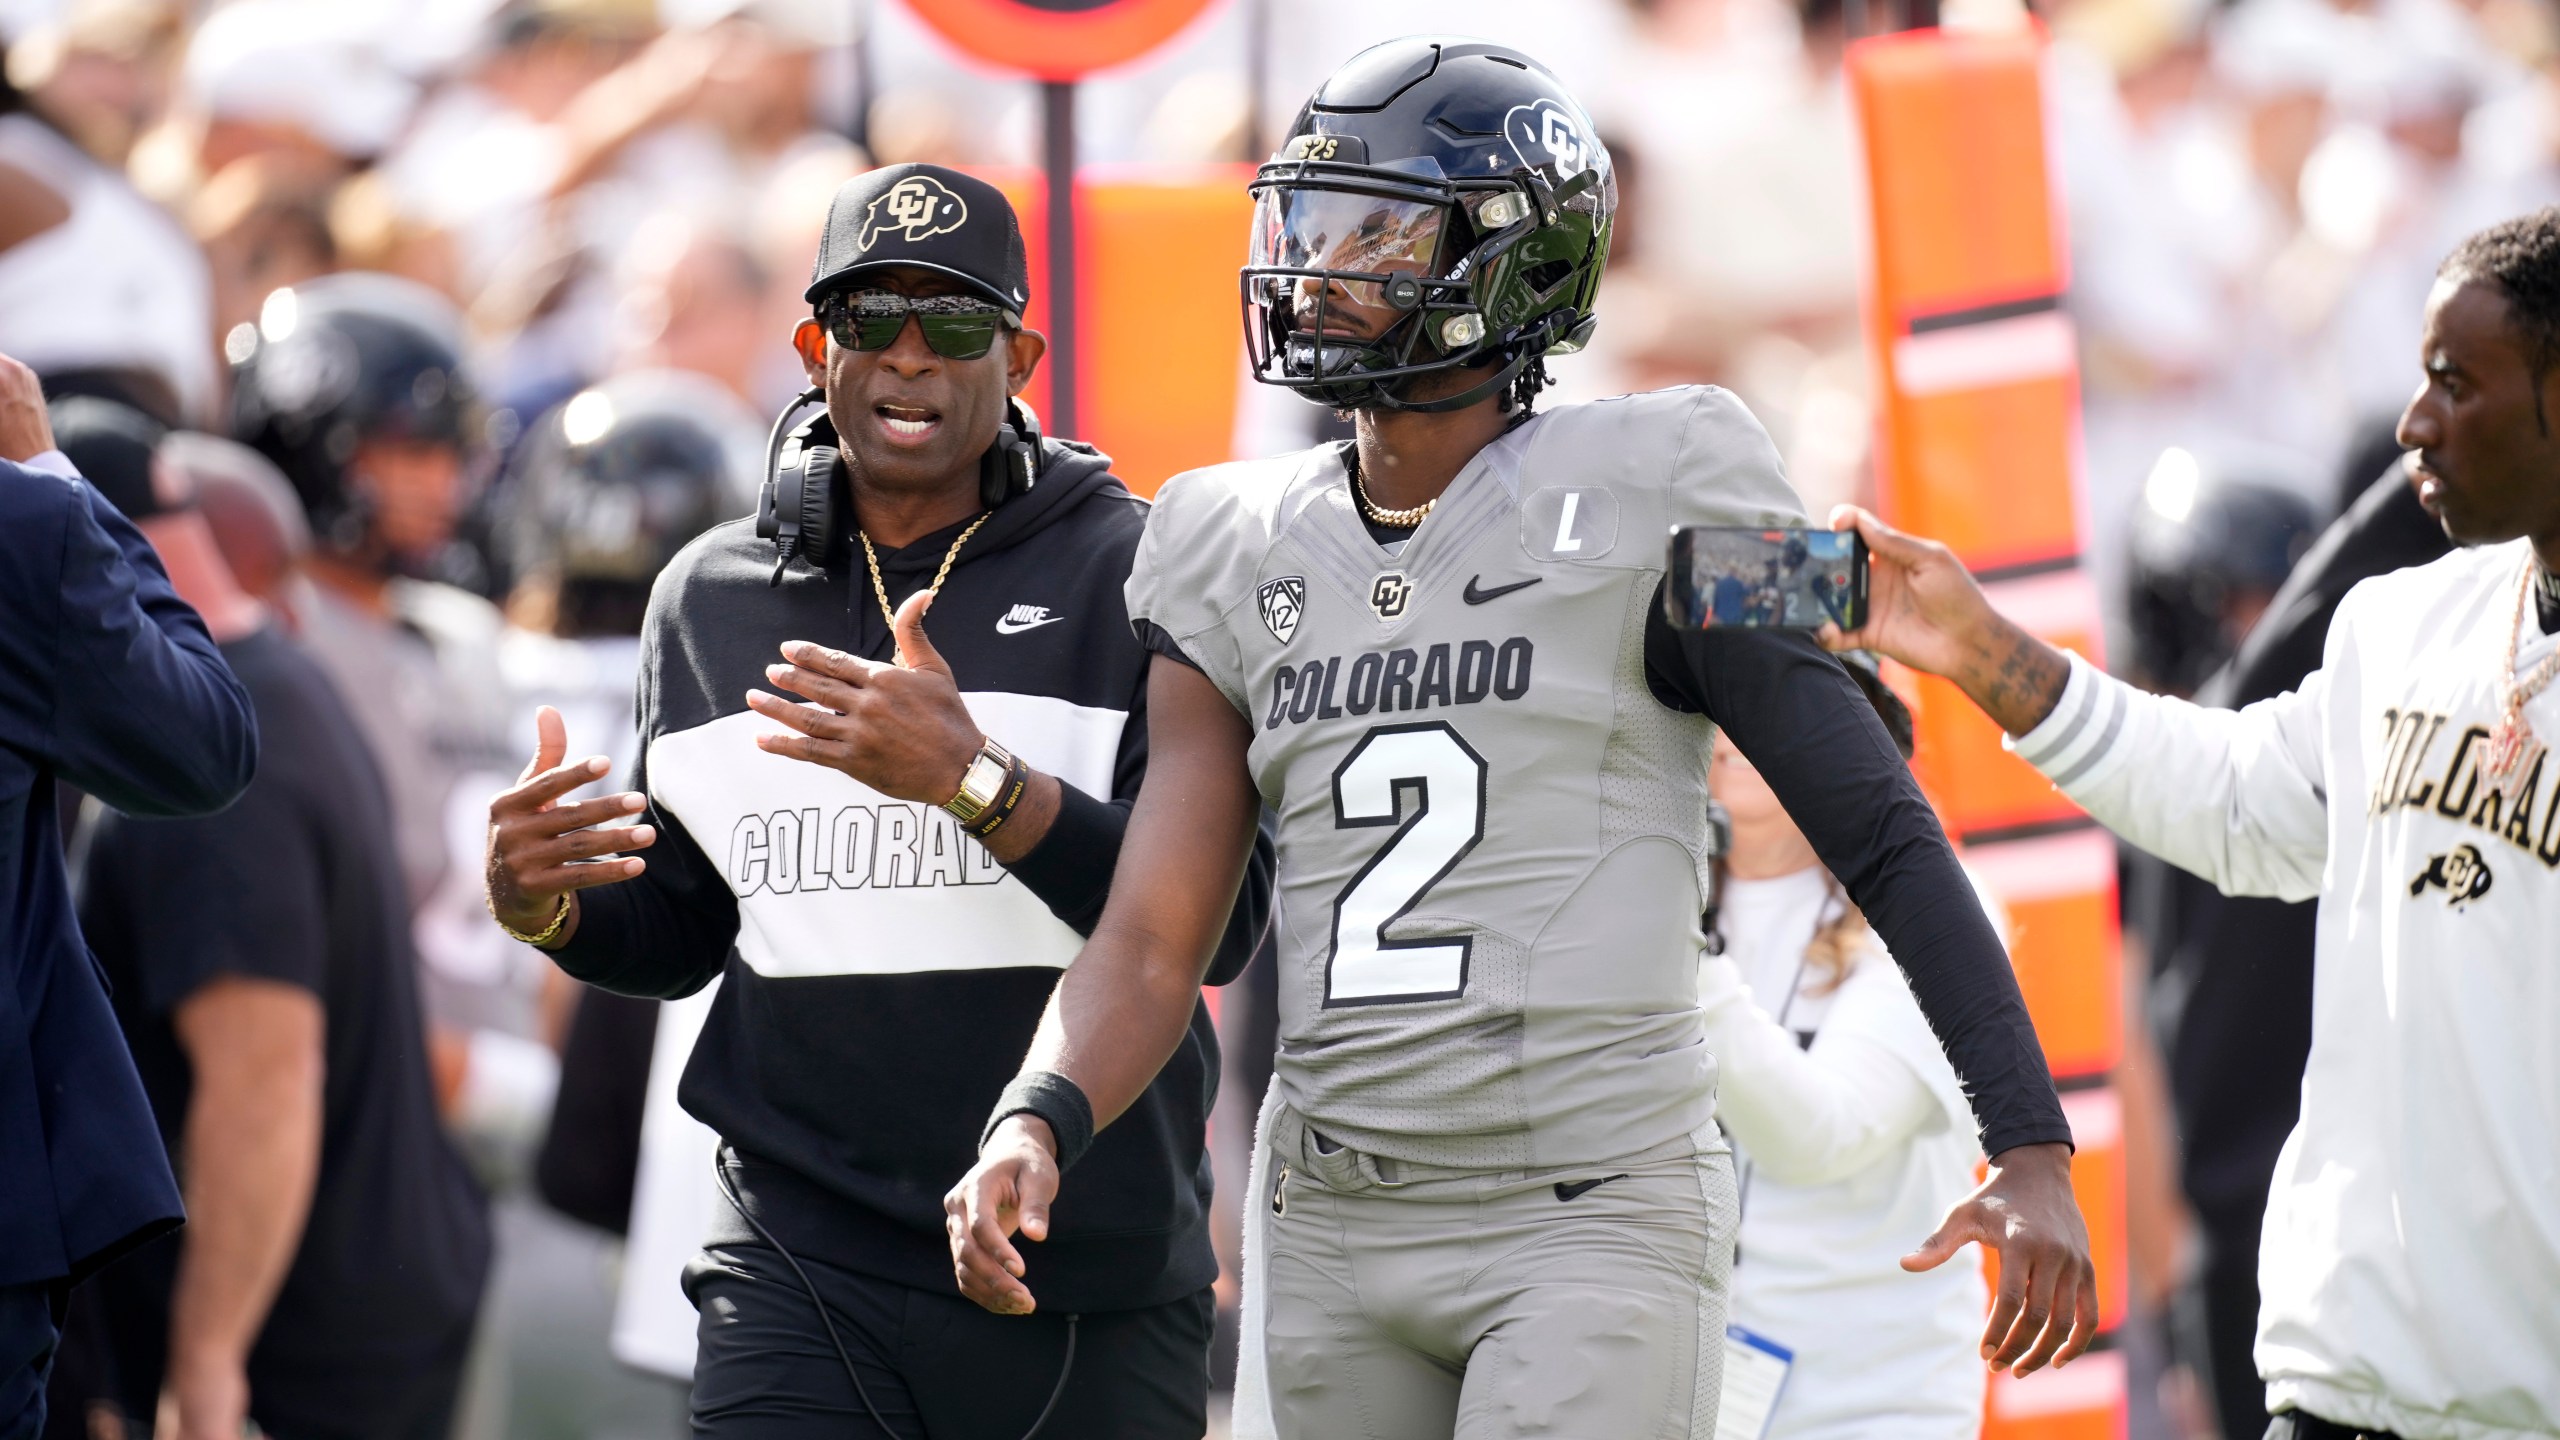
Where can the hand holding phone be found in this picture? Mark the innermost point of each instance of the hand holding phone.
(1779, 577)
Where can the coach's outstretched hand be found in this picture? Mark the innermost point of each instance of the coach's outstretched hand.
(540, 849)
(1924, 610)
(2047, 1308)
(1008, 1189)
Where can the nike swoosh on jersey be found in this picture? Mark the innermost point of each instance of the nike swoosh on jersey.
(1007, 625)
(1474, 596)
(1580, 1188)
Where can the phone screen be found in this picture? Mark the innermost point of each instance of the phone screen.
(1784, 579)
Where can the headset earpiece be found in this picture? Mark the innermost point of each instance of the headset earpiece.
(801, 509)
(1012, 465)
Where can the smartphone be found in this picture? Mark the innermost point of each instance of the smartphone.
(1781, 579)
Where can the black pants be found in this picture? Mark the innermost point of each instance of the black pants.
(2225, 1298)
(2295, 1425)
(30, 1328)
(935, 1365)
(118, 1334)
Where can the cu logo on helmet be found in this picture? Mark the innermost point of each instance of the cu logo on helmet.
(1544, 134)
(918, 208)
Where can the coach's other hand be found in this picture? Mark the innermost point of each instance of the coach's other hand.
(2047, 1308)
(1008, 1189)
(1924, 610)
(540, 849)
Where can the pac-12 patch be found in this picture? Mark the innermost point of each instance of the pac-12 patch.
(1283, 601)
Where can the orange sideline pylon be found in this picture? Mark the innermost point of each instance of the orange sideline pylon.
(1156, 305)
(1977, 378)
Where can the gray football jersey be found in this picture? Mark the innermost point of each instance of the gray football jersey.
(1491, 834)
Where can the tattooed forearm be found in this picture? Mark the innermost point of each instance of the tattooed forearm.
(2016, 678)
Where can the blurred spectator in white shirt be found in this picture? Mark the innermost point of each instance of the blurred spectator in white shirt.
(93, 277)
(264, 225)
(693, 297)
(101, 70)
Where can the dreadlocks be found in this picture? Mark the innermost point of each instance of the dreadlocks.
(2522, 258)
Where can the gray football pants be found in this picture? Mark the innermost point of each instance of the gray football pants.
(1408, 1302)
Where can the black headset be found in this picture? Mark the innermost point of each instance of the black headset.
(807, 495)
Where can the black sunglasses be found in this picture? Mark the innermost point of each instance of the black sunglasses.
(957, 327)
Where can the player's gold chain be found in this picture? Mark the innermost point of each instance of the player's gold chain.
(2511, 743)
(880, 592)
(1394, 519)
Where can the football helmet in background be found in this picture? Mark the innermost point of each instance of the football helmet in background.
(340, 361)
(2212, 541)
(614, 481)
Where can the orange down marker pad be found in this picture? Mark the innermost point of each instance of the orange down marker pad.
(1163, 341)
(1977, 374)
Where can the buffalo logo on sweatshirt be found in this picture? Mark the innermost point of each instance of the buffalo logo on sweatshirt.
(2459, 872)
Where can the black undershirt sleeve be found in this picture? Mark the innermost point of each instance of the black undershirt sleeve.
(1071, 868)
(1801, 721)
(664, 933)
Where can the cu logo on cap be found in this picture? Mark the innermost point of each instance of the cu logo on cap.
(918, 208)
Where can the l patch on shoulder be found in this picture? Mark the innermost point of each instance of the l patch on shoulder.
(1282, 601)
(2459, 872)
(1569, 522)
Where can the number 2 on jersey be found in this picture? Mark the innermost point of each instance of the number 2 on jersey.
(1445, 782)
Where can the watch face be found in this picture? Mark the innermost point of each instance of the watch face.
(984, 778)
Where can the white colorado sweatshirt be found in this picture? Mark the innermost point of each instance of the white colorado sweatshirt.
(2410, 1271)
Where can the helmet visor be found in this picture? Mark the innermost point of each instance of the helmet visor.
(1322, 257)
(1342, 231)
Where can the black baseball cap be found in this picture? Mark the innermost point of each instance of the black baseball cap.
(929, 217)
(111, 445)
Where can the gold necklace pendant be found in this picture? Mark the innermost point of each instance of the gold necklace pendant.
(1395, 519)
(880, 591)
(2512, 744)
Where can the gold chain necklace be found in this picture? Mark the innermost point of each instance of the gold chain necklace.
(880, 592)
(1393, 519)
(2512, 744)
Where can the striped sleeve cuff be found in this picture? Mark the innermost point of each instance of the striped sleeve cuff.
(2081, 734)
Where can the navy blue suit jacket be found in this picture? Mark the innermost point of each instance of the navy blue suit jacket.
(110, 682)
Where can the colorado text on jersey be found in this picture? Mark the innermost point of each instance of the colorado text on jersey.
(1400, 679)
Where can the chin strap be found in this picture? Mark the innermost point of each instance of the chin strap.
(1527, 366)
(1472, 395)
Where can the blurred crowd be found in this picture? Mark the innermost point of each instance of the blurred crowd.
(580, 214)
(2257, 193)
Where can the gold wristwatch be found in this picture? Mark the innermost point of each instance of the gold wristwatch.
(983, 784)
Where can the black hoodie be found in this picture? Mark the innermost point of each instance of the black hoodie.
(882, 974)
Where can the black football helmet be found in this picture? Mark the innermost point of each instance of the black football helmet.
(1439, 204)
(2208, 539)
(339, 361)
(614, 481)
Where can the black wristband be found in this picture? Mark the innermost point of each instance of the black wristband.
(1055, 1099)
